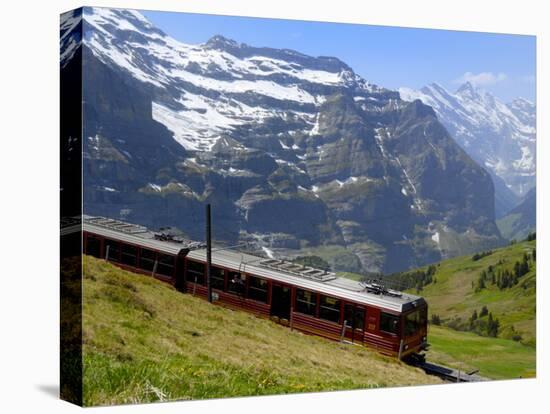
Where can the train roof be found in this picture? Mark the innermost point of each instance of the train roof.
(277, 270)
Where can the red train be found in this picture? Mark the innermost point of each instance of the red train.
(307, 299)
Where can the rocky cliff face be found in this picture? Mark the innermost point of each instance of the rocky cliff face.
(295, 153)
(500, 137)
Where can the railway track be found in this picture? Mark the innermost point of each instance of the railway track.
(446, 373)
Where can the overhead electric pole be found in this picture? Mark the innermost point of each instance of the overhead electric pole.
(208, 252)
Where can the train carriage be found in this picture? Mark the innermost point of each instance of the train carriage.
(311, 300)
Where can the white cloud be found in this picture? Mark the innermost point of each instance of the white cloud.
(528, 79)
(482, 78)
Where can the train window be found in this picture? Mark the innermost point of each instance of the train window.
(93, 246)
(195, 272)
(165, 265)
(414, 321)
(329, 309)
(306, 302)
(257, 289)
(236, 283)
(147, 259)
(128, 255)
(217, 278)
(389, 323)
(112, 249)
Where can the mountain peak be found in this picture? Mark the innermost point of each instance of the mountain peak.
(111, 20)
(221, 42)
(467, 89)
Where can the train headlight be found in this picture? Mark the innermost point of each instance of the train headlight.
(424, 339)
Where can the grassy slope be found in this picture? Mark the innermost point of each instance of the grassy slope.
(143, 341)
(349, 275)
(453, 295)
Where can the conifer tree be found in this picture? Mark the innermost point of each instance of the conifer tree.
(484, 311)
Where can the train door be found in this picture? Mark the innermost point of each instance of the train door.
(180, 270)
(354, 319)
(280, 301)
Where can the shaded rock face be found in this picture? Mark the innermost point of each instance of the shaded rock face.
(293, 152)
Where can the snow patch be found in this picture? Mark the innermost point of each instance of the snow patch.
(268, 252)
(315, 129)
(379, 141)
(265, 66)
(347, 181)
(283, 145)
(191, 129)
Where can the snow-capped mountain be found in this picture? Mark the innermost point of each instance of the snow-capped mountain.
(501, 137)
(297, 154)
(219, 86)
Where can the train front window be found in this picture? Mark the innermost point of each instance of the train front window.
(414, 321)
(389, 323)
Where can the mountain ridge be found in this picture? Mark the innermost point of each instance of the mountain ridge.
(501, 137)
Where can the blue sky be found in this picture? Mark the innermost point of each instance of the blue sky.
(388, 56)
